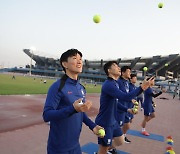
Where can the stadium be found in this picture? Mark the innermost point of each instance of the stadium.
(164, 66)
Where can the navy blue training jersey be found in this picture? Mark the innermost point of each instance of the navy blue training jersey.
(110, 95)
(123, 86)
(65, 122)
(148, 95)
(131, 88)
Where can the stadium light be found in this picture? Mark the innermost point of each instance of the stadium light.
(30, 69)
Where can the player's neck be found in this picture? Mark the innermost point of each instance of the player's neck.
(125, 78)
(115, 77)
(71, 75)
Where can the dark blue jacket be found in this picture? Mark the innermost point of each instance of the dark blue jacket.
(131, 88)
(110, 95)
(148, 96)
(124, 87)
(65, 122)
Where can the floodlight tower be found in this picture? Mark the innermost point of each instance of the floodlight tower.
(30, 69)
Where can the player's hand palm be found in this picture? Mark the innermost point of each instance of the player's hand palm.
(82, 107)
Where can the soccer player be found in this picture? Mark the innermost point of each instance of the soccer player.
(65, 106)
(124, 118)
(132, 86)
(140, 99)
(175, 92)
(110, 94)
(149, 112)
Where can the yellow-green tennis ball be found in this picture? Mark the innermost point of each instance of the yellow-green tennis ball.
(97, 18)
(135, 110)
(136, 103)
(145, 68)
(101, 132)
(136, 106)
(160, 5)
(166, 64)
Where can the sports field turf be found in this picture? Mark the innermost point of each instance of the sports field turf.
(31, 85)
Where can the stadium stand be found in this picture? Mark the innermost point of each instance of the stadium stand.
(165, 68)
(157, 65)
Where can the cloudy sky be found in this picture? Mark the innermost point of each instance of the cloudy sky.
(128, 28)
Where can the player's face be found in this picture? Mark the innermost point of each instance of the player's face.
(153, 82)
(134, 80)
(115, 70)
(74, 64)
(127, 74)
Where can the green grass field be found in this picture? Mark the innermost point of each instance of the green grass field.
(27, 85)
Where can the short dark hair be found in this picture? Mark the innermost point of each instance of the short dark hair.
(124, 68)
(108, 66)
(69, 53)
(133, 75)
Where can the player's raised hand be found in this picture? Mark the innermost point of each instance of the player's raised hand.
(146, 83)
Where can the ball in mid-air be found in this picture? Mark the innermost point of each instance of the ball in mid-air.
(97, 18)
(145, 68)
(166, 64)
(101, 132)
(160, 5)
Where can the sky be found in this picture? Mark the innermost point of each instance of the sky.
(128, 29)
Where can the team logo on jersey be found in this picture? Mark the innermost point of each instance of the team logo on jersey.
(109, 141)
(69, 92)
(82, 92)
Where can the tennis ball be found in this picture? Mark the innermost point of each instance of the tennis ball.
(160, 5)
(166, 64)
(135, 110)
(136, 106)
(97, 18)
(145, 68)
(136, 103)
(101, 132)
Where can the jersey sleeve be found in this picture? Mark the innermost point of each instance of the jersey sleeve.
(115, 92)
(50, 111)
(122, 107)
(88, 121)
(157, 94)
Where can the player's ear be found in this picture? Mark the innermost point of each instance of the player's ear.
(109, 71)
(64, 65)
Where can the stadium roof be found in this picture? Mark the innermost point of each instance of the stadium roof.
(158, 64)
